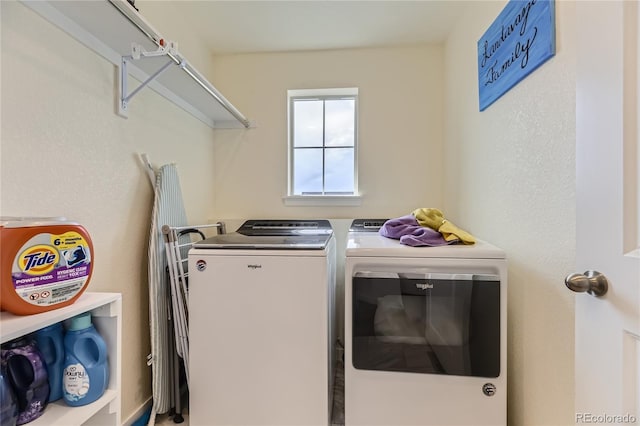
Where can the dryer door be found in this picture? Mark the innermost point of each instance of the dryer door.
(429, 323)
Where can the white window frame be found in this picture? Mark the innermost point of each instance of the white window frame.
(321, 199)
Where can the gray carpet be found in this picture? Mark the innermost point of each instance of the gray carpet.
(338, 393)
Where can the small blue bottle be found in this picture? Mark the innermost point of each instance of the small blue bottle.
(51, 345)
(86, 368)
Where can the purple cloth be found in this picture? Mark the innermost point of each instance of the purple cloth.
(396, 228)
(411, 233)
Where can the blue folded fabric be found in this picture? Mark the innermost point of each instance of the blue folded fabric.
(411, 233)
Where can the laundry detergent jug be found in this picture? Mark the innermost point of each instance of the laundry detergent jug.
(45, 263)
(51, 346)
(28, 377)
(86, 369)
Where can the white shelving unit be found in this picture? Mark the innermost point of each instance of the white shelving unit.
(110, 27)
(106, 312)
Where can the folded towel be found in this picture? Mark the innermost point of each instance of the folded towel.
(396, 228)
(425, 237)
(434, 219)
(411, 233)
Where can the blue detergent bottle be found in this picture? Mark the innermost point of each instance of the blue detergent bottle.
(51, 345)
(86, 368)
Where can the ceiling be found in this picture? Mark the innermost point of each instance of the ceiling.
(239, 26)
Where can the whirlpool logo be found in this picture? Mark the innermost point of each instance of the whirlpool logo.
(254, 266)
(424, 286)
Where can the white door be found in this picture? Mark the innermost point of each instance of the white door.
(608, 213)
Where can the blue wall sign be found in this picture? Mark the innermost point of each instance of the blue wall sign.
(521, 39)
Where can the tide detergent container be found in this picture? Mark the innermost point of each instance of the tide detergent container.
(51, 346)
(45, 264)
(27, 374)
(86, 369)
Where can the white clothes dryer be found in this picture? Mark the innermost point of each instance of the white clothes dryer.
(425, 332)
(261, 325)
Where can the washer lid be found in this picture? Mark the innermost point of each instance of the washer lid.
(259, 227)
(273, 234)
(235, 240)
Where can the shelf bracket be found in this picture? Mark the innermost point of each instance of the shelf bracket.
(138, 52)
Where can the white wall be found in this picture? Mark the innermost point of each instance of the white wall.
(64, 152)
(510, 178)
(399, 140)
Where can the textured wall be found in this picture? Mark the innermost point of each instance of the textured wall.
(510, 178)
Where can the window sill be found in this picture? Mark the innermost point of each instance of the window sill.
(322, 200)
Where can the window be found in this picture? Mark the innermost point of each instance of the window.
(322, 142)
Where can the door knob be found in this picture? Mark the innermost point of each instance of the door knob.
(593, 282)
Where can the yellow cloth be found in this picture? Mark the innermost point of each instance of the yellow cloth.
(434, 219)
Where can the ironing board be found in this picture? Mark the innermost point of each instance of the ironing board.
(168, 208)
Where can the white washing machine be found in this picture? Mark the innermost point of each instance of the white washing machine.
(425, 332)
(261, 328)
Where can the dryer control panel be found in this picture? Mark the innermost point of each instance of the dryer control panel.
(366, 225)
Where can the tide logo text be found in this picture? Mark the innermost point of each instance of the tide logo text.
(38, 260)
